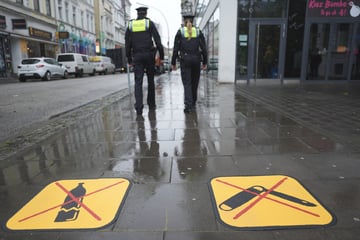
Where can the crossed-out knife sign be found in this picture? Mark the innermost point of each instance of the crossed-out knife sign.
(250, 193)
(266, 202)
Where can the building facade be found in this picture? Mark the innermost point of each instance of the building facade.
(111, 17)
(35, 28)
(27, 29)
(76, 19)
(307, 40)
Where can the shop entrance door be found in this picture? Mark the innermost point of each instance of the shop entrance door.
(266, 56)
(332, 53)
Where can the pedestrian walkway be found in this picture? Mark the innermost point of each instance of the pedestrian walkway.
(239, 135)
(11, 78)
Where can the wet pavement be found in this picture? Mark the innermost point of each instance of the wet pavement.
(307, 132)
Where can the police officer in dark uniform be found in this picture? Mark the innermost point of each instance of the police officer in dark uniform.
(140, 53)
(190, 47)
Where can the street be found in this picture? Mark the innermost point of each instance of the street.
(25, 104)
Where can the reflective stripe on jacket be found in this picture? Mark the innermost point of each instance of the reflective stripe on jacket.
(194, 32)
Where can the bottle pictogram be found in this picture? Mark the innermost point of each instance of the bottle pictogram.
(71, 208)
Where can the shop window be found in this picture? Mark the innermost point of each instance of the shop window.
(211, 33)
(242, 49)
(339, 51)
(262, 8)
(355, 67)
(294, 40)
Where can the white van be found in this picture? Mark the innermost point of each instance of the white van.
(103, 65)
(76, 64)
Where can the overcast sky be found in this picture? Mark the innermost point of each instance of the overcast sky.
(158, 11)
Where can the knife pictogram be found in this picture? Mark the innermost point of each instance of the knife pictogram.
(244, 196)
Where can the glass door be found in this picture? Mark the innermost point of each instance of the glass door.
(331, 54)
(318, 51)
(340, 51)
(266, 54)
(355, 55)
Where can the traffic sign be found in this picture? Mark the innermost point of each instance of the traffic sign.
(72, 204)
(277, 201)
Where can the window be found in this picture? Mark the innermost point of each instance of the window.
(88, 22)
(262, 9)
(36, 5)
(74, 15)
(355, 73)
(92, 24)
(82, 19)
(60, 10)
(212, 38)
(67, 11)
(48, 7)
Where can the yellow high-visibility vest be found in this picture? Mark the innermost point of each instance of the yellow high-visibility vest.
(194, 32)
(140, 25)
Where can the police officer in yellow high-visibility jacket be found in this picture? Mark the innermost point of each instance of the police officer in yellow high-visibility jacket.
(190, 47)
(140, 53)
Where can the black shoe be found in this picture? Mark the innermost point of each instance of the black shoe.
(138, 112)
(153, 107)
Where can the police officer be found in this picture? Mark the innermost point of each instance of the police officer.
(140, 53)
(190, 47)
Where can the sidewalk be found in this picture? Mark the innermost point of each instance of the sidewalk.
(8, 79)
(309, 133)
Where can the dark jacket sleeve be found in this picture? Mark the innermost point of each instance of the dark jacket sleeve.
(128, 47)
(156, 36)
(177, 44)
(203, 49)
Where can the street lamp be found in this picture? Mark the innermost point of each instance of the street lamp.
(167, 27)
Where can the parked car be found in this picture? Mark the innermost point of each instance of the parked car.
(77, 64)
(43, 67)
(103, 65)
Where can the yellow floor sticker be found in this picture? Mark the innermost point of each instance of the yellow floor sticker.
(72, 204)
(266, 202)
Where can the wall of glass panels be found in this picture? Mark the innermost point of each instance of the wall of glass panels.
(211, 33)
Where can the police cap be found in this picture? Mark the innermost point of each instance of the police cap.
(142, 9)
(188, 16)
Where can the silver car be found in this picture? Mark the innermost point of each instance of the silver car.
(103, 65)
(44, 68)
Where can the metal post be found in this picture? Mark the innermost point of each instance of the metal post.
(129, 84)
(257, 51)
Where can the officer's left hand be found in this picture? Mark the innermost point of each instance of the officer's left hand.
(204, 67)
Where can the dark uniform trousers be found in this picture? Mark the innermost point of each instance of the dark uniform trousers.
(190, 74)
(144, 60)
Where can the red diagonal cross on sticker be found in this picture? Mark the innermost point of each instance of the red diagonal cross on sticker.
(262, 196)
(73, 199)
